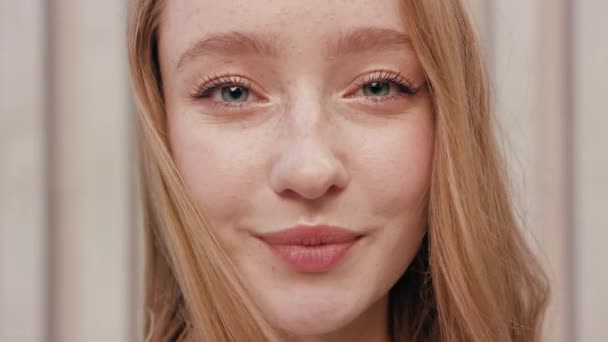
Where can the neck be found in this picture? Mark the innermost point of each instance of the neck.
(371, 326)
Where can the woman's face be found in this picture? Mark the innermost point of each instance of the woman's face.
(304, 114)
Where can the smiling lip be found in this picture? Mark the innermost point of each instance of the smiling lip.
(311, 249)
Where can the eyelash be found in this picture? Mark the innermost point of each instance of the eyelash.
(403, 84)
(206, 86)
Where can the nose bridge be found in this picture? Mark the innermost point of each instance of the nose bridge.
(308, 164)
(305, 115)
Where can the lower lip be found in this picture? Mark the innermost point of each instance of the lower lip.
(313, 259)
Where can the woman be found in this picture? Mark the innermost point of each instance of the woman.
(324, 171)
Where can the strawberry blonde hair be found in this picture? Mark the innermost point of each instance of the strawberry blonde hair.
(474, 278)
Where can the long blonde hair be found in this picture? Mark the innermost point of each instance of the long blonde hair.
(474, 278)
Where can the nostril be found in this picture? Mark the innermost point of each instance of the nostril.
(333, 189)
(310, 193)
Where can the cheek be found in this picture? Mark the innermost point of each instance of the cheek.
(395, 167)
(395, 170)
(220, 172)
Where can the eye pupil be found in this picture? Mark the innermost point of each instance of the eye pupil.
(377, 89)
(234, 94)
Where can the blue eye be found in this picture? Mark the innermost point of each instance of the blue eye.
(377, 89)
(384, 85)
(225, 89)
(235, 94)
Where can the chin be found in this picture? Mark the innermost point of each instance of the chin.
(313, 314)
(308, 323)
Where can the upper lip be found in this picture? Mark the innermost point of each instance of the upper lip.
(310, 235)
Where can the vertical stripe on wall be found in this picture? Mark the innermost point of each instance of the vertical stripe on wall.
(552, 156)
(529, 63)
(590, 166)
(22, 172)
(92, 220)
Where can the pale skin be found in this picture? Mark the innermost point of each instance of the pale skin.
(315, 112)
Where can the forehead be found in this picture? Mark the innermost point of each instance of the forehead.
(293, 24)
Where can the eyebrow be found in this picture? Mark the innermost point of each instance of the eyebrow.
(239, 43)
(230, 43)
(367, 38)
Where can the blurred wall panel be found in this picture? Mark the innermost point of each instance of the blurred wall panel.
(22, 172)
(92, 227)
(552, 213)
(529, 61)
(514, 88)
(591, 168)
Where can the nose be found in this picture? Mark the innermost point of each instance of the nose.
(308, 168)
